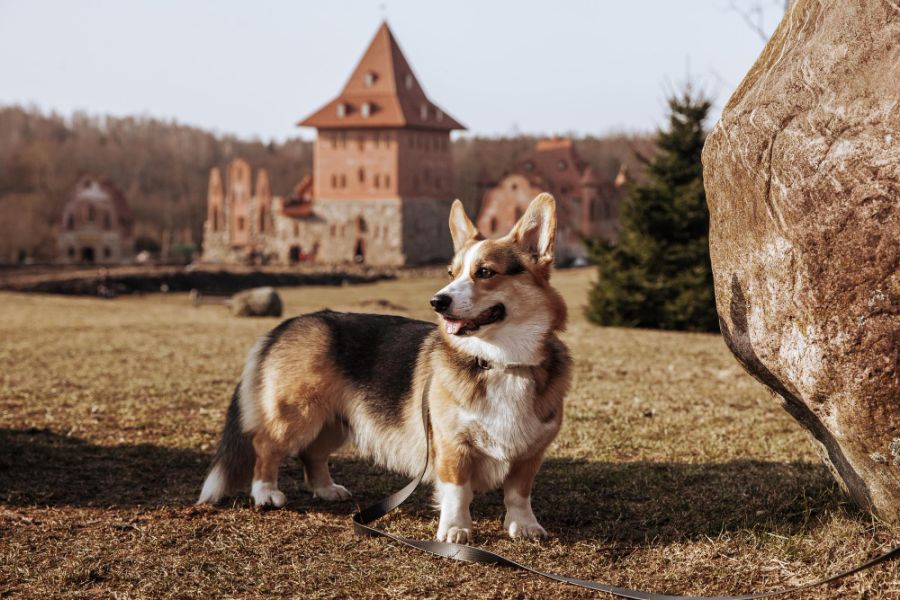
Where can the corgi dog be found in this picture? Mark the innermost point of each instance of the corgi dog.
(495, 369)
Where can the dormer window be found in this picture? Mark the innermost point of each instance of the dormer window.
(341, 110)
(423, 112)
(408, 81)
(365, 110)
(369, 78)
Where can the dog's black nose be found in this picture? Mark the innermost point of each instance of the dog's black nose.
(441, 302)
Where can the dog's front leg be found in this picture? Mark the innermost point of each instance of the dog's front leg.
(520, 521)
(454, 495)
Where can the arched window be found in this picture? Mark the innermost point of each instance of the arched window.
(90, 213)
(361, 226)
(362, 175)
(70, 225)
(107, 221)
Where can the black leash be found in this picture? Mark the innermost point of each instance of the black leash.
(363, 518)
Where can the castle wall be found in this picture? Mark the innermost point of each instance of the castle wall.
(356, 164)
(425, 164)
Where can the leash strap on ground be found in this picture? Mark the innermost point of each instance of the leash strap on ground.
(362, 526)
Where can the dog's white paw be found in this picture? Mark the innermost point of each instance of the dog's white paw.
(525, 528)
(266, 494)
(455, 535)
(333, 492)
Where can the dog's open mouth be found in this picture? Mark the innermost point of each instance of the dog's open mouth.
(464, 326)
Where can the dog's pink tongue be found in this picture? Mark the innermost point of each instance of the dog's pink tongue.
(453, 327)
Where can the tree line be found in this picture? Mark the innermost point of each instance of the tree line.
(163, 169)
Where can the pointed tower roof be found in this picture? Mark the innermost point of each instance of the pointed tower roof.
(382, 92)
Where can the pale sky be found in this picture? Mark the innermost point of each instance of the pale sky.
(255, 68)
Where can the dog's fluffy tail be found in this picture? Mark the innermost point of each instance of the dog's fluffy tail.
(232, 466)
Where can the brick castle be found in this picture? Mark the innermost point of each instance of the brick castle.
(587, 205)
(380, 190)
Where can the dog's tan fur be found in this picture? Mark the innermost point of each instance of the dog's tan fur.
(490, 426)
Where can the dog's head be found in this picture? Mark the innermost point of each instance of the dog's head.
(499, 304)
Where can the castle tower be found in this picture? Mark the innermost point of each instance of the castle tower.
(382, 166)
(237, 201)
(263, 200)
(215, 200)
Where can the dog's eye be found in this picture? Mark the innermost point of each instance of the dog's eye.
(484, 273)
(450, 273)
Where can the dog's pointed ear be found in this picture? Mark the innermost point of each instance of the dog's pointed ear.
(461, 228)
(535, 233)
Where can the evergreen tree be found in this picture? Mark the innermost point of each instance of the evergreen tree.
(659, 275)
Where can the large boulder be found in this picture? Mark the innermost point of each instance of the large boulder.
(802, 178)
(256, 302)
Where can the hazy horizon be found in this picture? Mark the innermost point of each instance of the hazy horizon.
(583, 68)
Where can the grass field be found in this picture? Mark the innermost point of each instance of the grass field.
(674, 471)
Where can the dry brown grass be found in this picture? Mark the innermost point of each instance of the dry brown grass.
(674, 471)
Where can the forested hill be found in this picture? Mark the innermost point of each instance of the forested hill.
(163, 168)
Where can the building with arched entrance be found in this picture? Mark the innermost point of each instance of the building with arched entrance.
(587, 206)
(96, 225)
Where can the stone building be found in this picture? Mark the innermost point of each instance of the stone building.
(97, 226)
(587, 205)
(380, 190)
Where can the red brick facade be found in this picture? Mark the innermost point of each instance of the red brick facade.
(586, 205)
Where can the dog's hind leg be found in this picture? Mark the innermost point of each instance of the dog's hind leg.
(315, 462)
(269, 454)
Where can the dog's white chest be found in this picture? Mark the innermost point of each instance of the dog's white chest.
(505, 426)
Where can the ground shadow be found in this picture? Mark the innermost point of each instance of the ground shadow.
(618, 502)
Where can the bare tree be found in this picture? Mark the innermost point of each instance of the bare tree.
(754, 14)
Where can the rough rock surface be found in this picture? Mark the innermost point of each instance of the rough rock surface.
(802, 178)
(256, 302)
